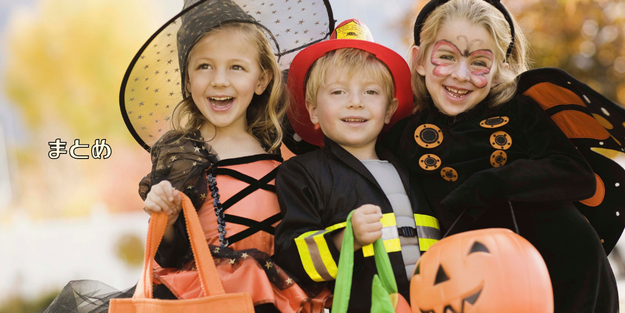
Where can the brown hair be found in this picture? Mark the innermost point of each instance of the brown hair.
(479, 13)
(265, 112)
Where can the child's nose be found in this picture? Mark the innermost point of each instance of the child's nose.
(220, 79)
(355, 101)
(462, 72)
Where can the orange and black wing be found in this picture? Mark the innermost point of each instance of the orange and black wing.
(596, 125)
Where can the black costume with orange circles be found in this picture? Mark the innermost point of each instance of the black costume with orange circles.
(483, 158)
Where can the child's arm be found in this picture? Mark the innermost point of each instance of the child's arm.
(164, 198)
(556, 171)
(303, 244)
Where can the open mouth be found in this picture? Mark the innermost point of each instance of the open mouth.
(354, 120)
(221, 103)
(456, 93)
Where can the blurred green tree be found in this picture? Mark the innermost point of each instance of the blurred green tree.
(67, 59)
(65, 63)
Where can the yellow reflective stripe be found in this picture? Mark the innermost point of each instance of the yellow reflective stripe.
(426, 220)
(304, 254)
(426, 243)
(367, 250)
(388, 219)
(326, 256)
(336, 226)
(392, 245)
(389, 234)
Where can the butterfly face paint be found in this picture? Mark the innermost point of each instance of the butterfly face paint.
(473, 65)
(459, 71)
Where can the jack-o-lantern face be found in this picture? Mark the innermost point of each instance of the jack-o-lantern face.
(488, 270)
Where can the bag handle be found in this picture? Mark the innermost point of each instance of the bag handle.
(343, 286)
(209, 279)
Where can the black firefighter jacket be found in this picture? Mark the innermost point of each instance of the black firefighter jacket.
(316, 192)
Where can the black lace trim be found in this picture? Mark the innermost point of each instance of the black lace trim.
(249, 159)
(219, 210)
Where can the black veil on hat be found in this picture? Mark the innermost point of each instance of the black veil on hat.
(152, 85)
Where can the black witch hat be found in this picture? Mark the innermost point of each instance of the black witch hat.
(153, 83)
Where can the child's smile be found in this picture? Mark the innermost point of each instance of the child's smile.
(221, 103)
(224, 75)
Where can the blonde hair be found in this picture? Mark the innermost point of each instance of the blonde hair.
(478, 13)
(265, 112)
(355, 61)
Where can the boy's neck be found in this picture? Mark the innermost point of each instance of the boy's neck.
(362, 153)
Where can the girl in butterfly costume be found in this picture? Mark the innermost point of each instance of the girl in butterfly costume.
(488, 155)
(223, 151)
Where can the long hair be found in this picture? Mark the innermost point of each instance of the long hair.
(478, 13)
(265, 111)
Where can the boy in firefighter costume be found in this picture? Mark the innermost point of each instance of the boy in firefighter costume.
(349, 88)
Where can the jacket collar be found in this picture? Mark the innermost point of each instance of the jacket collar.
(351, 161)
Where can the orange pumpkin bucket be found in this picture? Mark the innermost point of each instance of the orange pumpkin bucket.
(487, 270)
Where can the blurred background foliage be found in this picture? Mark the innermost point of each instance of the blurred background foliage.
(129, 248)
(65, 61)
(583, 37)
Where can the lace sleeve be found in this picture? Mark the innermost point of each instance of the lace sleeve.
(182, 160)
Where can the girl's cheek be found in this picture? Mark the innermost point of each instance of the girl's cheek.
(479, 78)
(441, 69)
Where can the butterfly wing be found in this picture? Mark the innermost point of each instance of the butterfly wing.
(596, 126)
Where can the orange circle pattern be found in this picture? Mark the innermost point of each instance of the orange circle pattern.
(501, 140)
(449, 174)
(498, 158)
(494, 122)
(429, 162)
(428, 136)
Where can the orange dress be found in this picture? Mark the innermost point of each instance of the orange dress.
(246, 191)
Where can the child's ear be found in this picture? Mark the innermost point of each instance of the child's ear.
(263, 81)
(504, 66)
(312, 112)
(414, 52)
(391, 110)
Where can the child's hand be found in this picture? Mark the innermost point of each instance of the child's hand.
(367, 225)
(164, 198)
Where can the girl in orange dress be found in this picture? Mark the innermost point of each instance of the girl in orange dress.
(223, 153)
(212, 74)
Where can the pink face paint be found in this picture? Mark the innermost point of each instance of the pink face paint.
(478, 78)
(442, 68)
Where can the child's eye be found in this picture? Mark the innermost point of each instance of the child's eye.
(447, 57)
(237, 68)
(203, 66)
(480, 63)
(371, 92)
(338, 92)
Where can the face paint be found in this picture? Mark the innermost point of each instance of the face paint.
(451, 60)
